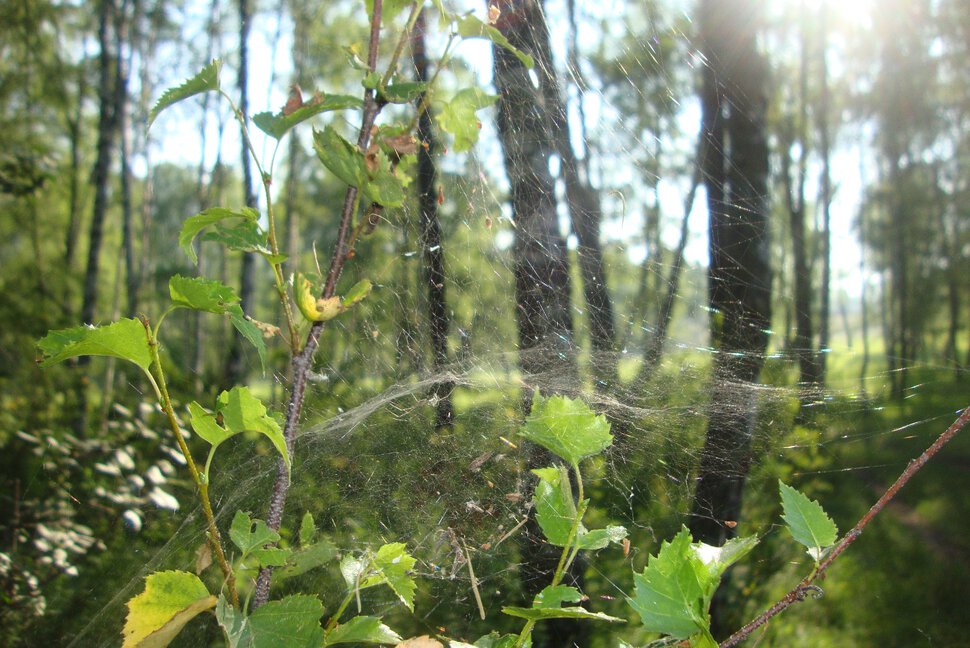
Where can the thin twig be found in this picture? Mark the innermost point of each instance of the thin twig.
(799, 592)
(303, 361)
(474, 581)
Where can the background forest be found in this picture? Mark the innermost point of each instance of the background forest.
(738, 229)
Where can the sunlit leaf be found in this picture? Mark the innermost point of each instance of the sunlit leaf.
(567, 428)
(361, 629)
(206, 425)
(195, 224)
(202, 294)
(243, 412)
(459, 117)
(392, 564)
(206, 80)
(807, 521)
(472, 27)
(669, 593)
(277, 125)
(357, 292)
(554, 505)
(308, 529)
(170, 600)
(249, 534)
(125, 339)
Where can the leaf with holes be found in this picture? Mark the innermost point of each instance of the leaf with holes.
(207, 295)
(206, 80)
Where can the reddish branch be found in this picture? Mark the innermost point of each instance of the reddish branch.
(303, 360)
(807, 585)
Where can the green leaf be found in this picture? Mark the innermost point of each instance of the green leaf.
(243, 412)
(389, 9)
(357, 292)
(554, 596)
(195, 224)
(567, 428)
(384, 188)
(206, 425)
(202, 294)
(807, 521)
(307, 558)
(718, 559)
(494, 640)
(249, 534)
(352, 569)
(601, 538)
(555, 508)
(392, 564)
(170, 600)
(205, 81)
(293, 621)
(458, 116)
(541, 614)
(472, 27)
(272, 556)
(344, 159)
(254, 336)
(307, 529)
(125, 339)
(278, 125)
(669, 594)
(405, 92)
(361, 629)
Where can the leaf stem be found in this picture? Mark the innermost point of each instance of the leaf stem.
(215, 541)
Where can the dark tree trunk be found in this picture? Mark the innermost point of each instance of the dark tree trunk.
(122, 67)
(107, 131)
(235, 367)
(542, 281)
(734, 102)
(584, 210)
(434, 256)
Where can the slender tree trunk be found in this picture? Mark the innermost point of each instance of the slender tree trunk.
(584, 211)
(122, 67)
(825, 195)
(434, 256)
(734, 103)
(542, 281)
(235, 369)
(75, 129)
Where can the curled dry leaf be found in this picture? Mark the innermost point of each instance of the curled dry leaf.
(402, 144)
(493, 14)
(295, 101)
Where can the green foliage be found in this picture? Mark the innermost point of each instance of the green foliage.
(673, 593)
(239, 411)
(291, 621)
(341, 158)
(205, 81)
(807, 522)
(472, 27)
(361, 629)
(458, 116)
(279, 124)
(392, 566)
(567, 428)
(170, 600)
(125, 339)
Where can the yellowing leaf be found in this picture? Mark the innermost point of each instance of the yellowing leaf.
(170, 600)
